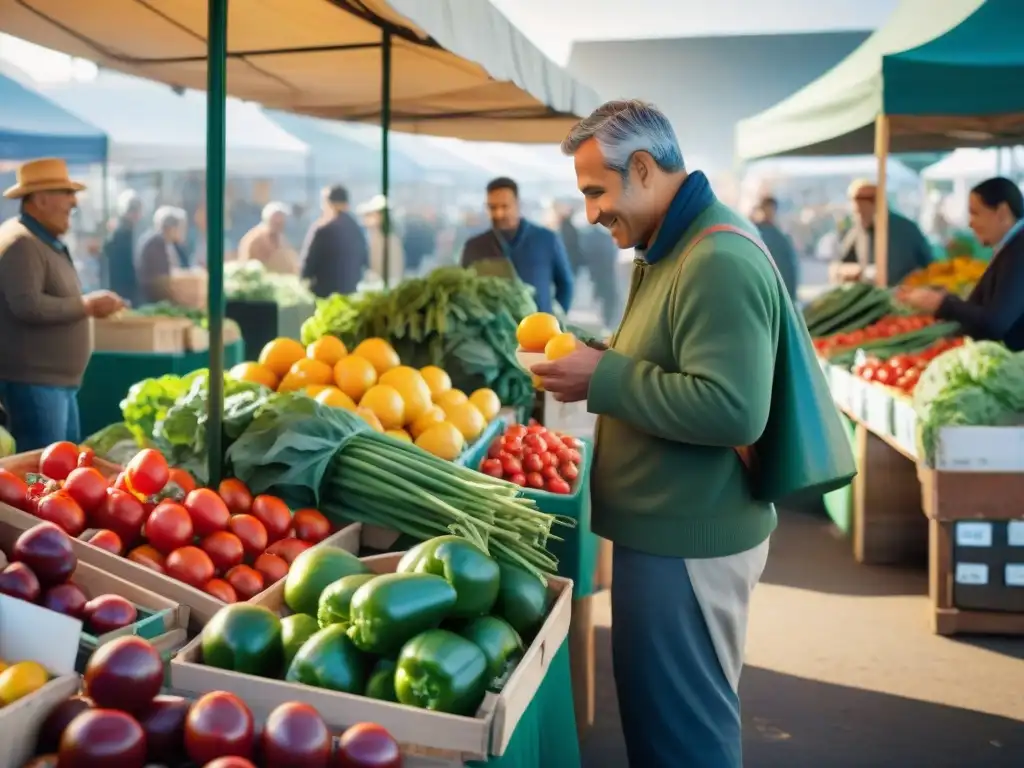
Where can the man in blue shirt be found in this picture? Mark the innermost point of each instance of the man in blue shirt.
(517, 247)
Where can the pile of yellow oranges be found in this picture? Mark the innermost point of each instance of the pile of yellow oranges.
(415, 405)
(541, 332)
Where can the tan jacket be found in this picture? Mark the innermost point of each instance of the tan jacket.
(45, 335)
(396, 257)
(258, 245)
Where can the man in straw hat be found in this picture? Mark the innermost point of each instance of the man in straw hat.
(908, 248)
(45, 338)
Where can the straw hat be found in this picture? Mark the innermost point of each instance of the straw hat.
(375, 204)
(862, 189)
(45, 175)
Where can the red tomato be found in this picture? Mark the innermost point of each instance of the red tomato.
(494, 449)
(274, 514)
(87, 486)
(168, 527)
(107, 540)
(271, 567)
(58, 459)
(492, 467)
(533, 463)
(574, 456)
(569, 471)
(247, 582)
(558, 485)
(251, 533)
(516, 430)
(549, 459)
(221, 590)
(288, 549)
(148, 557)
(536, 429)
(208, 511)
(884, 375)
(63, 511)
(225, 550)
(190, 565)
(535, 443)
(571, 442)
(510, 465)
(553, 442)
(183, 479)
(535, 480)
(13, 490)
(86, 457)
(869, 372)
(236, 496)
(311, 526)
(122, 513)
(368, 745)
(148, 472)
(512, 445)
(549, 472)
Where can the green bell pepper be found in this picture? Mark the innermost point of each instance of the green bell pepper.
(330, 660)
(244, 638)
(442, 672)
(295, 631)
(501, 645)
(311, 573)
(473, 573)
(391, 609)
(335, 600)
(381, 684)
(522, 600)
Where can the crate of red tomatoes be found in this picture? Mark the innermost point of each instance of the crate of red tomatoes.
(537, 458)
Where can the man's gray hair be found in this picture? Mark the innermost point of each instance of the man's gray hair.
(128, 202)
(624, 127)
(271, 209)
(167, 216)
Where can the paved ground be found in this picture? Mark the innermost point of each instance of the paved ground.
(844, 673)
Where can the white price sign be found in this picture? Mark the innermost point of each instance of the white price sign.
(974, 574)
(1015, 533)
(974, 534)
(1014, 576)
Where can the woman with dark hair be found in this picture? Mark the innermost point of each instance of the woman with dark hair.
(995, 308)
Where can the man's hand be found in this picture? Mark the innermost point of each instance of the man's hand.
(924, 299)
(102, 303)
(568, 378)
(847, 273)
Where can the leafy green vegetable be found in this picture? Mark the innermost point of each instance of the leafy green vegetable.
(453, 317)
(116, 443)
(147, 402)
(978, 384)
(167, 309)
(250, 281)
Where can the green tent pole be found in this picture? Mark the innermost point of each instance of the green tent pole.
(385, 129)
(216, 97)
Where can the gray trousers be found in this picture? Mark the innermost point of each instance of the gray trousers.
(678, 634)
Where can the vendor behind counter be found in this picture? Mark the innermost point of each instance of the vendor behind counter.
(994, 310)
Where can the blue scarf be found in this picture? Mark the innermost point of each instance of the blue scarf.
(692, 199)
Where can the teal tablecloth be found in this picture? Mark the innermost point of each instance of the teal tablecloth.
(111, 374)
(545, 737)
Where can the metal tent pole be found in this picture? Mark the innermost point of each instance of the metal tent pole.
(216, 137)
(385, 170)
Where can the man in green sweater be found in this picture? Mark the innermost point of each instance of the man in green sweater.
(684, 383)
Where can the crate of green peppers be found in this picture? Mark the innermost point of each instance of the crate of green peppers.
(441, 645)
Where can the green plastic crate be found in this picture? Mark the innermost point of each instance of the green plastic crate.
(471, 456)
(148, 625)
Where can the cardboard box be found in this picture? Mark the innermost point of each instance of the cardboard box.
(201, 605)
(142, 333)
(980, 449)
(429, 734)
(21, 627)
(157, 615)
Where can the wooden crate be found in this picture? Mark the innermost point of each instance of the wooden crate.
(443, 737)
(139, 333)
(23, 463)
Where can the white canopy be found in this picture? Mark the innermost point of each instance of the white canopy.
(824, 167)
(153, 128)
(976, 164)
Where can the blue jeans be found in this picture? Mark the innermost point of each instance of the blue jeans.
(38, 415)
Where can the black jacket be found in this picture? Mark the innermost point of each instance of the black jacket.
(995, 308)
(335, 255)
(120, 253)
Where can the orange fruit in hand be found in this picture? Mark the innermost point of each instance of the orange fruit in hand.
(281, 354)
(354, 375)
(560, 345)
(536, 330)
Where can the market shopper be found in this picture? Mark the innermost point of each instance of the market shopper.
(780, 245)
(334, 255)
(517, 247)
(45, 340)
(687, 379)
(159, 253)
(119, 249)
(994, 310)
(267, 243)
(908, 247)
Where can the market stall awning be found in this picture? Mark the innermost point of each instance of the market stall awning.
(335, 151)
(976, 164)
(459, 67)
(835, 114)
(153, 128)
(32, 125)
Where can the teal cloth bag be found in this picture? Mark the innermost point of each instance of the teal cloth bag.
(804, 452)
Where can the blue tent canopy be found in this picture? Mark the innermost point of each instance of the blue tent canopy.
(33, 126)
